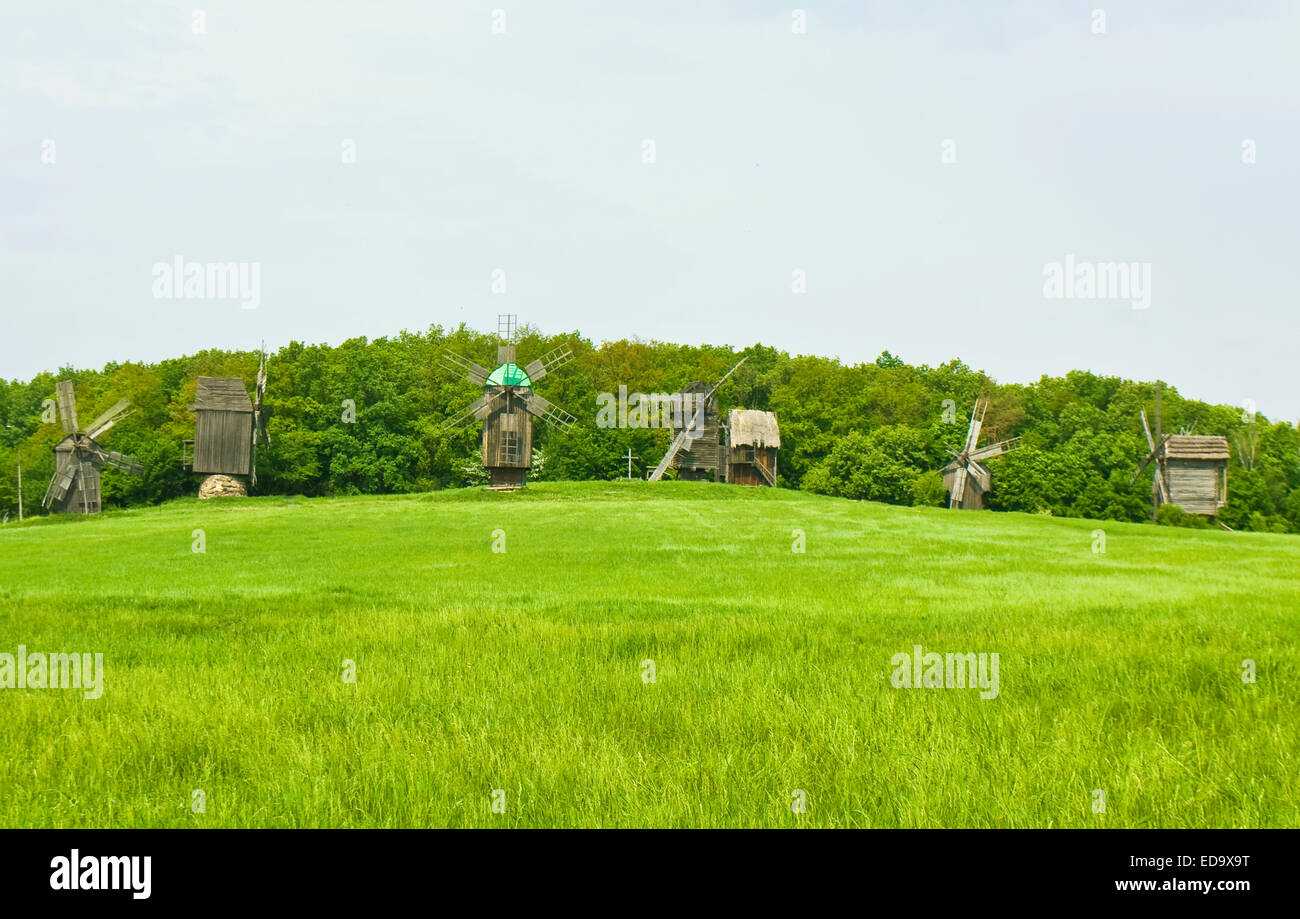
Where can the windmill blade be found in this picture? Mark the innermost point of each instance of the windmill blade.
(548, 412)
(479, 409)
(87, 477)
(997, 449)
(1146, 428)
(978, 477)
(1142, 467)
(551, 360)
(1155, 450)
(60, 482)
(958, 488)
(1158, 481)
(111, 417)
(475, 373)
(261, 375)
(119, 461)
(261, 436)
(67, 406)
(718, 384)
(976, 422)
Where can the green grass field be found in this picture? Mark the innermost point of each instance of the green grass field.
(523, 670)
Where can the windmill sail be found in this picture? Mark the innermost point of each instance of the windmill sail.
(548, 412)
(478, 409)
(121, 461)
(997, 449)
(67, 406)
(59, 484)
(551, 360)
(958, 488)
(475, 373)
(260, 434)
(111, 417)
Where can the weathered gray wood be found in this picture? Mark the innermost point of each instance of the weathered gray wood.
(111, 417)
(222, 394)
(1191, 472)
(508, 434)
(74, 487)
(67, 406)
(223, 442)
(698, 457)
(223, 427)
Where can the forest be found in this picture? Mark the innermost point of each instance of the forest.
(367, 417)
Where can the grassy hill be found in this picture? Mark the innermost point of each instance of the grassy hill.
(525, 670)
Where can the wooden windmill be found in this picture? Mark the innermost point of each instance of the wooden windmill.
(1190, 471)
(74, 488)
(700, 458)
(698, 440)
(966, 477)
(508, 406)
(228, 429)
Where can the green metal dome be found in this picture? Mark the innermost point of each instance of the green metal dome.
(509, 375)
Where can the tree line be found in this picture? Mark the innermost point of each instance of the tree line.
(367, 417)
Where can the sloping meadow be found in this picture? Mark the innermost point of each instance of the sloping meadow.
(627, 654)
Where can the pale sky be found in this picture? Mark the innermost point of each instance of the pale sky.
(774, 151)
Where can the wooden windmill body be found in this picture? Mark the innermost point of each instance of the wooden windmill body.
(508, 406)
(966, 478)
(700, 459)
(753, 440)
(1190, 470)
(228, 427)
(695, 450)
(78, 458)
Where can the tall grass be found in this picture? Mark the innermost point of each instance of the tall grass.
(525, 671)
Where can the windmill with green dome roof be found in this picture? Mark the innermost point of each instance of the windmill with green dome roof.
(508, 405)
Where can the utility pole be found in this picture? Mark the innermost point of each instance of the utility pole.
(630, 457)
(20, 491)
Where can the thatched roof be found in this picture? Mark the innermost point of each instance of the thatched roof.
(223, 394)
(1193, 447)
(750, 428)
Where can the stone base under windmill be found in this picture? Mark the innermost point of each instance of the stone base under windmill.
(223, 486)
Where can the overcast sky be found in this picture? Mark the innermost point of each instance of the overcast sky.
(518, 145)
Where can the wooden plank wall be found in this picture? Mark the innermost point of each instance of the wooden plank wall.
(742, 468)
(1196, 485)
(223, 442)
(510, 418)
